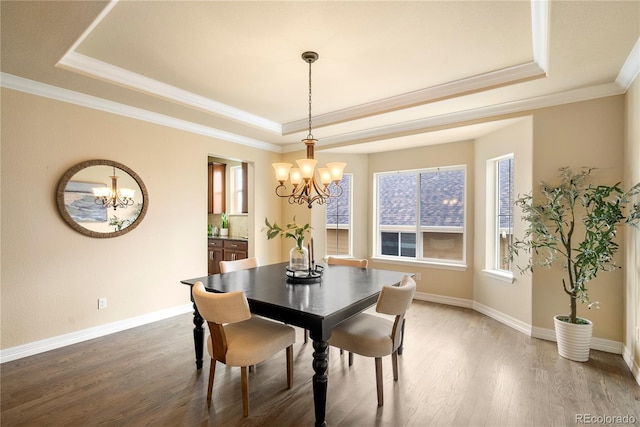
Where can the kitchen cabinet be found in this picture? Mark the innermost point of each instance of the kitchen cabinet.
(215, 255)
(225, 250)
(235, 249)
(216, 188)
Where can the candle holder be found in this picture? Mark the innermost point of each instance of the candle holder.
(305, 276)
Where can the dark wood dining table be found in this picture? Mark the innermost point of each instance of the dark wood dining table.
(316, 305)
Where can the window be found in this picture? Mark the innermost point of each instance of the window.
(338, 219)
(504, 212)
(237, 188)
(420, 214)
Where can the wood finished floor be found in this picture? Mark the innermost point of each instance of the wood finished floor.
(459, 368)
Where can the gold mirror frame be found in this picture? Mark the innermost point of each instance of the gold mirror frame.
(79, 228)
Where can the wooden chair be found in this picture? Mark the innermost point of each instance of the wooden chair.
(239, 339)
(353, 262)
(241, 264)
(373, 336)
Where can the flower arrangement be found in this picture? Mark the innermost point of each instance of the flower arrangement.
(224, 220)
(293, 230)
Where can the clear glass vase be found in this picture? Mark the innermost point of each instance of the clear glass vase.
(299, 259)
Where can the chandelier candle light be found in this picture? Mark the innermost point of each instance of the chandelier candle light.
(113, 197)
(306, 189)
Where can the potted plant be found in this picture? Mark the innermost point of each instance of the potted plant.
(299, 255)
(224, 224)
(574, 224)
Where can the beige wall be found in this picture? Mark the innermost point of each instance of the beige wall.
(631, 339)
(439, 281)
(512, 299)
(51, 275)
(587, 133)
(50, 271)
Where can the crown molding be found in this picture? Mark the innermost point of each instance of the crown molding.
(540, 32)
(84, 64)
(631, 68)
(503, 77)
(21, 84)
(432, 123)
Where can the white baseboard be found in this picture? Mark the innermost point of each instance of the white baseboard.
(512, 322)
(599, 344)
(47, 344)
(635, 368)
(441, 299)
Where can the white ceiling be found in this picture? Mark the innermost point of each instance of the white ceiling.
(390, 75)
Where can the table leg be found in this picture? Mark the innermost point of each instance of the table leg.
(198, 336)
(320, 365)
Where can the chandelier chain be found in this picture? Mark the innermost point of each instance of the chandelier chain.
(310, 136)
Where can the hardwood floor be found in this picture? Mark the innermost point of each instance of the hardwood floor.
(459, 368)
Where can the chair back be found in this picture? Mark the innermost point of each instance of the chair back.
(240, 264)
(395, 300)
(230, 307)
(352, 262)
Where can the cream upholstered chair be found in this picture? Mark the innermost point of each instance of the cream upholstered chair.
(373, 336)
(240, 264)
(353, 262)
(239, 339)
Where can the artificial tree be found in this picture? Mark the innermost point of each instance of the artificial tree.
(553, 235)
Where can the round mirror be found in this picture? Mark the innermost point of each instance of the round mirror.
(102, 198)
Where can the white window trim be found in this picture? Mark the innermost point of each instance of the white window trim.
(492, 202)
(446, 264)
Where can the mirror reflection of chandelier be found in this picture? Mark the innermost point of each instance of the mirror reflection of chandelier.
(306, 188)
(113, 197)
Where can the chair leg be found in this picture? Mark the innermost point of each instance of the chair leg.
(402, 337)
(394, 362)
(245, 391)
(379, 379)
(350, 358)
(290, 366)
(212, 372)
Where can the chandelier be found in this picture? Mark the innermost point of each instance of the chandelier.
(306, 188)
(113, 197)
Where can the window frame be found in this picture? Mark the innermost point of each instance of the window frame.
(235, 196)
(454, 264)
(492, 234)
(338, 226)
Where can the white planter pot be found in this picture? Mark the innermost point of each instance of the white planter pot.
(574, 340)
(224, 232)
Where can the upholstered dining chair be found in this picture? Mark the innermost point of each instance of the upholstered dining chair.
(240, 264)
(239, 339)
(353, 262)
(374, 336)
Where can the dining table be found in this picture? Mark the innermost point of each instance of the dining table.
(318, 301)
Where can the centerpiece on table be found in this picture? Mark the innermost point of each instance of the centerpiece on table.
(299, 257)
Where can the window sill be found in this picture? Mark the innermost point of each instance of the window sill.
(428, 264)
(503, 276)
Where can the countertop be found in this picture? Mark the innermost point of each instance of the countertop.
(229, 238)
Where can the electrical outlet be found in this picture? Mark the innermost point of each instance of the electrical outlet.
(102, 303)
(418, 276)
